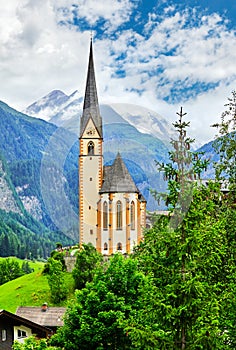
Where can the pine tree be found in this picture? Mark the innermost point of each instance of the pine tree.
(184, 253)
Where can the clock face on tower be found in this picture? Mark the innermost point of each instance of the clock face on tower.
(90, 131)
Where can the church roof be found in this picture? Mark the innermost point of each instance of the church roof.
(116, 178)
(91, 107)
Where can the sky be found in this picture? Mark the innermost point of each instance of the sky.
(158, 54)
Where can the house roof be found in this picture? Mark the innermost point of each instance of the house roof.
(24, 321)
(91, 107)
(52, 317)
(117, 178)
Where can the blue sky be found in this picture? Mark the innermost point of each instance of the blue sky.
(158, 54)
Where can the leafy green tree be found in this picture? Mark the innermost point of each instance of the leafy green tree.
(60, 257)
(184, 253)
(56, 255)
(58, 245)
(32, 343)
(9, 270)
(96, 320)
(56, 281)
(26, 267)
(88, 260)
(225, 145)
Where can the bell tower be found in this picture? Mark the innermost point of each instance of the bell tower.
(90, 159)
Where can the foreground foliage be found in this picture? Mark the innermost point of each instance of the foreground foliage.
(33, 344)
(96, 319)
(185, 253)
(88, 260)
(177, 291)
(188, 276)
(225, 146)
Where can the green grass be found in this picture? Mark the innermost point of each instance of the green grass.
(36, 265)
(30, 290)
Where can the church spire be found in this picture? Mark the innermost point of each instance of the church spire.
(91, 107)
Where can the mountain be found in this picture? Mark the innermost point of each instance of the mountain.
(39, 166)
(39, 176)
(41, 161)
(63, 110)
(145, 120)
(49, 105)
(139, 134)
(210, 154)
(9, 199)
(20, 234)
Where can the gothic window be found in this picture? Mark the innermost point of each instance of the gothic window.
(91, 148)
(132, 216)
(105, 216)
(105, 246)
(119, 246)
(119, 215)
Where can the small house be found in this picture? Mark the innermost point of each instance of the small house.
(14, 327)
(51, 317)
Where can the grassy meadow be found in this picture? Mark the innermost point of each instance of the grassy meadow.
(29, 290)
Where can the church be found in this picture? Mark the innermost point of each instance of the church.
(112, 211)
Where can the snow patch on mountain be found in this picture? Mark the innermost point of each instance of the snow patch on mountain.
(145, 120)
(53, 103)
(65, 111)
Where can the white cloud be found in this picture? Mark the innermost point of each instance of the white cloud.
(39, 54)
(114, 13)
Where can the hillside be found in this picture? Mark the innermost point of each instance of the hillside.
(10, 201)
(23, 142)
(27, 229)
(20, 233)
(29, 290)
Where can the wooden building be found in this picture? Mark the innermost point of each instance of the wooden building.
(14, 327)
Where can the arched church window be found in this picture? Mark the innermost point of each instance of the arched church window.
(91, 148)
(105, 216)
(132, 215)
(119, 246)
(105, 246)
(119, 215)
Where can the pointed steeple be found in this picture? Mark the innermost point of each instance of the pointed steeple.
(91, 107)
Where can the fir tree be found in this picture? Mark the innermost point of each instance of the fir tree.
(184, 254)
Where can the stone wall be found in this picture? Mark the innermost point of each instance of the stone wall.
(70, 262)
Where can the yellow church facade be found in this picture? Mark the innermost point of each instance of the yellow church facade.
(112, 211)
